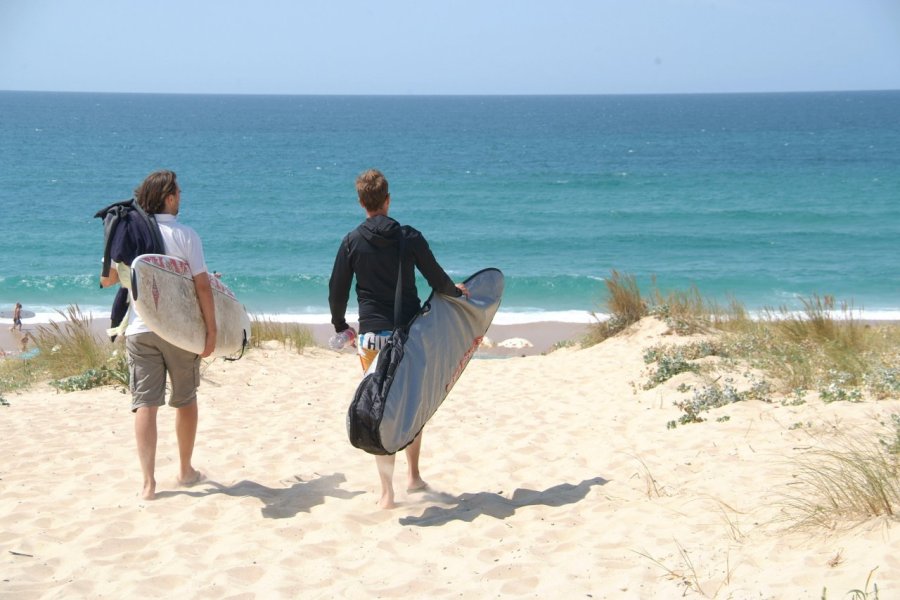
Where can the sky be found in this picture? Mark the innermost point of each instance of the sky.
(449, 47)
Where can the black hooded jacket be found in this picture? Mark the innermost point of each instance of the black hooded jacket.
(370, 253)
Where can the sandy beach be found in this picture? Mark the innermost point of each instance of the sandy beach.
(550, 476)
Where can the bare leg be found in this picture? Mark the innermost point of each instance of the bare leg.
(385, 464)
(145, 434)
(414, 480)
(186, 419)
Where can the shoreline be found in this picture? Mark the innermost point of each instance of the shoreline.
(506, 339)
(542, 335)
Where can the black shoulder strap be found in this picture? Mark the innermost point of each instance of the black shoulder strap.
(398, 292)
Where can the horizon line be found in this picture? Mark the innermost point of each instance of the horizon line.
(446, 95)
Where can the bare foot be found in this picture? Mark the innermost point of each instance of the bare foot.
(418, 485)
(192, 478)
(149, 491)
(386, 502)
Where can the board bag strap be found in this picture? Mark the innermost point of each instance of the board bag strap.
(398, 291)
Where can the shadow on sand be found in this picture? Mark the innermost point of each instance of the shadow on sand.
(471, 506)
(278, 503)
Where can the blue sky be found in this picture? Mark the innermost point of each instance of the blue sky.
(449, 47)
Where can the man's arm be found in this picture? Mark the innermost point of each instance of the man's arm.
(435, 275)
(339, 287)
(208, 310)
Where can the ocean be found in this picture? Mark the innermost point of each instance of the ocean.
(765, 198)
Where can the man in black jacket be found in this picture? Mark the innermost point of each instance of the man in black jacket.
(371, 252)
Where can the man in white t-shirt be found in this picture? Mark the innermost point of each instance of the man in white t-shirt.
(150, 357)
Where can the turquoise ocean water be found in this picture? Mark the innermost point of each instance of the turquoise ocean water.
(764, 197)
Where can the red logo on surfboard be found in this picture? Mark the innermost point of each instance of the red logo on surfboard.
(180, 267)
(154, 291)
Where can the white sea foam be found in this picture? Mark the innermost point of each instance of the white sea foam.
(501, 318)
(42, 315)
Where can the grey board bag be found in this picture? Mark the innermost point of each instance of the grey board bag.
(418, 365)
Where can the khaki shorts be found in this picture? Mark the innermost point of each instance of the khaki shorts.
(368, 345)
(149, 358)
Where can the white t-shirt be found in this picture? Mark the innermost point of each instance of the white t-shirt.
(180, 241)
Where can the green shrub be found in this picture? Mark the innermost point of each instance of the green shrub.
(669, 364)
(672, 360)
(705, 399)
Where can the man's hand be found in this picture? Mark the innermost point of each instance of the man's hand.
(111, 279)
(208, 310)
(210, 344)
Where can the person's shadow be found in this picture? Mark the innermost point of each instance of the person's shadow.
(278, 503)
(471, 506)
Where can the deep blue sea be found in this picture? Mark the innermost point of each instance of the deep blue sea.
(766, 198)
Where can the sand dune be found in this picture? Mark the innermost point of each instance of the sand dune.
(550, 477)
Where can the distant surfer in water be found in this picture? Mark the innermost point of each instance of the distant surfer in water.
(150, 357)
(370, 252)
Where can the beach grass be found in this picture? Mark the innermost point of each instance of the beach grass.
(855, 480)
(72, 356)
(833, 486)
(292, 336)
(624, 305)
(824, 347)
(68, 353)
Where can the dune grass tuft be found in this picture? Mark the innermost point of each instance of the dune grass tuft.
(70, 354)
(854, 482)
(624, 305)
(685, 312)
(289, 335)
(70, 346)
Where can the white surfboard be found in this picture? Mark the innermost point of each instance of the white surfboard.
(163, 293)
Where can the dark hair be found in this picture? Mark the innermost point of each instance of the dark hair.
(152, 193)
(372, 189)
